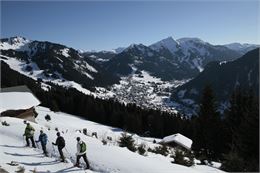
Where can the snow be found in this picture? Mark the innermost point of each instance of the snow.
(17, 100)
(118, 50)
(65, 52)
(180, 139)
(198, 64)
(102, 158)
(241, 47)
(168, 43)
(36, 73)
(90, 68)
(222, 62)
(16, 43)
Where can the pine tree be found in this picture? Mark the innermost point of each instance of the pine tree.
(127, 141)
(208, 128)
(242, 124)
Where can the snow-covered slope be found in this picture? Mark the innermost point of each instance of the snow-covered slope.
(103, 158)
(243, 48)
(194, 52)
(168, 43)
(17, 43)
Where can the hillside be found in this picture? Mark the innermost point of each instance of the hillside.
(224, 78)
(103, 158)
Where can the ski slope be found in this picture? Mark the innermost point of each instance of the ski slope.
(103, 158)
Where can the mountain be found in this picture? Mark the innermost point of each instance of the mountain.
(169, 59)
(242, 48)
(141, 57)
(53, 62)
(223, 77)
(194, 53)
(140, 74)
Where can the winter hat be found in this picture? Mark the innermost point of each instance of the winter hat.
(41, 131)
(58, 134)
(78, 138)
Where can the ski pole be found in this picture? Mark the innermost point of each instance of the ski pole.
(24, 140)
(53, 151)
(67, 152)
(37, 145)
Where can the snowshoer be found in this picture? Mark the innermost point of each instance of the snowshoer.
(81, 152)
(29, 133)
(43, 139)
(60, 142)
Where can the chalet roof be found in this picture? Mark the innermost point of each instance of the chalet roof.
(179, 139)
(20, 88)
(15, 98)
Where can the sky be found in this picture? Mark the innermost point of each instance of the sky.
(103, 25)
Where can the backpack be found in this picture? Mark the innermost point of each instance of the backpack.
(62, 142)
(83, 147)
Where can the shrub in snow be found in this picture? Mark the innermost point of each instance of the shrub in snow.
(20, 169)
(162, 149)
(141, 149)
(56, 128)
(47, 117)
(104, 142)
(4, 123)
(185, 158)
(127, 141)
(233, 163)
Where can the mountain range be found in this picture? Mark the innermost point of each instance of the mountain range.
(152, 74)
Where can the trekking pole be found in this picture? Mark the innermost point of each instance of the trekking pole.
(37, 145)
(53, 151)
(24, 140)
(71, 158)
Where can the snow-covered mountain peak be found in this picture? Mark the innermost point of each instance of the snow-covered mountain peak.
(167, 43)
(237, 46)
(191, 39)
(138, 47)
(119, 50)
(16, 42)
(18, 39)
(243, 48)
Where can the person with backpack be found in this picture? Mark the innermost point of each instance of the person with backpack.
(29, 134)
(43, 139)
(81, 152)
(60, 142)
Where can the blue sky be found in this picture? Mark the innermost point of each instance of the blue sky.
(107, 25)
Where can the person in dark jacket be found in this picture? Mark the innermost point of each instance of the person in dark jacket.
(60, 142)
(29, 133)
(43, 138)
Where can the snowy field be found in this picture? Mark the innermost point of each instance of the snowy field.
(103, 158)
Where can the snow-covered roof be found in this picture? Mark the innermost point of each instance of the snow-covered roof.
(179, 139)
(17, 100)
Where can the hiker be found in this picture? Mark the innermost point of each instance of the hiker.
(60, 142)
(81, 152)
(29, 133)
(43, 139)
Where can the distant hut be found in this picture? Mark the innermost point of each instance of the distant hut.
(177, 140)
(18, 102)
